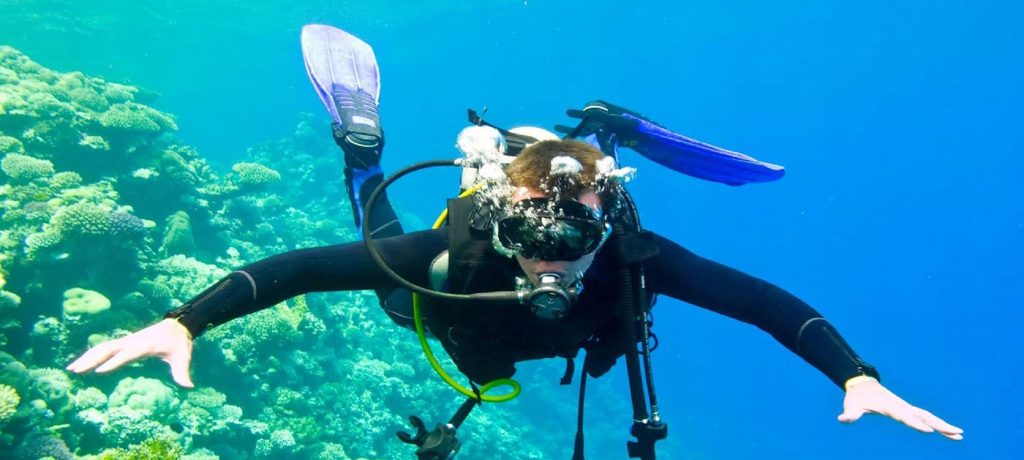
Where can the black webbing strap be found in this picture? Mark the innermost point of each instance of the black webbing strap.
(570, 368)
(577, 448)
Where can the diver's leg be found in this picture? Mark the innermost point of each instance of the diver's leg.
(362, 176)
(363, 145)
(361, 138)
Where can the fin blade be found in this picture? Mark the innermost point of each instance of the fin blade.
(334, 57)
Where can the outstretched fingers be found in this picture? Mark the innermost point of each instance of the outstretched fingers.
(940, 425)
(94, 357)
(913, 420)
(876, 399)
(179, 363)
(123, 357)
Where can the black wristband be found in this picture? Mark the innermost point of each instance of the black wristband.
(211, 307)
(821, 345)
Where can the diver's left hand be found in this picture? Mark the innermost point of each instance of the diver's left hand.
(867, 395)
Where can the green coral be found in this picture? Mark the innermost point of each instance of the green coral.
(146, 395)
(10, 144)
(14, 373)
(23, 168)
(115, 92)
(65, 180)
(132, 116)
(49, 338)
(178, 237)
(151, 449)
(53, 386)
(8, 300)
(254, 174)
(279, 443)
(82, 220)
(89, 398)
(185, 277)
(329, 451)
(9, 401)
(201, 454)
(207, 398)
(40, 241)
(95, 143)
(78, 301)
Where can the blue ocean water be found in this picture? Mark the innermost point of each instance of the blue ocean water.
(899, 125)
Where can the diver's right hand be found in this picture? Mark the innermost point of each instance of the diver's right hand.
(168, 340)
(603, 116)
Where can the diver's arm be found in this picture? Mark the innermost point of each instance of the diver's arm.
(344, 267)
(683, 275)
(260, 285)
(686, 276)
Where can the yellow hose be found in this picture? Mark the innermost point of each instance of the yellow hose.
(418, 319)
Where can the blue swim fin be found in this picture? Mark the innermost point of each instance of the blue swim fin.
(611, 126)
(344, 73)
(700, 160)
(343, 70)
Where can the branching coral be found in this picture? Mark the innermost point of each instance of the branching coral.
(131, 116)
(182, 277)
(89, 398)
(126, 226)
(65, 180)
(207, 398)
(9, 401)
(10, 144)
(151, 449)
(254, 174)
(40, 241)
(280, 443)
(23, 168)
(82, 220)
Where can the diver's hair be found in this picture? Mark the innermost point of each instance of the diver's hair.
(532, 167)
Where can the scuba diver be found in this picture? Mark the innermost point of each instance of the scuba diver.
(541, 256)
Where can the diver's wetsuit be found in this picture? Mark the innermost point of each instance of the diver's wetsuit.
(675, 272)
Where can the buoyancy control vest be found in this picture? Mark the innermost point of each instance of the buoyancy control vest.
(486, 340)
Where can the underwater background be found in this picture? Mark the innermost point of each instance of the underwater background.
(149, 148)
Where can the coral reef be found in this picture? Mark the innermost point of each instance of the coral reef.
(253, 174)
(99, 195)
(151, 449)
(130, 116)
(23, 168)
(9, 401)
(78, 301)
(178, 237)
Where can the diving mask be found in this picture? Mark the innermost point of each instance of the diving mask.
(545, 229)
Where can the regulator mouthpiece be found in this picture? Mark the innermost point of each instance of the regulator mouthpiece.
(552, 297)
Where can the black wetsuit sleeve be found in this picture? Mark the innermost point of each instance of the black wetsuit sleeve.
(683, 275)
(344, 267)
